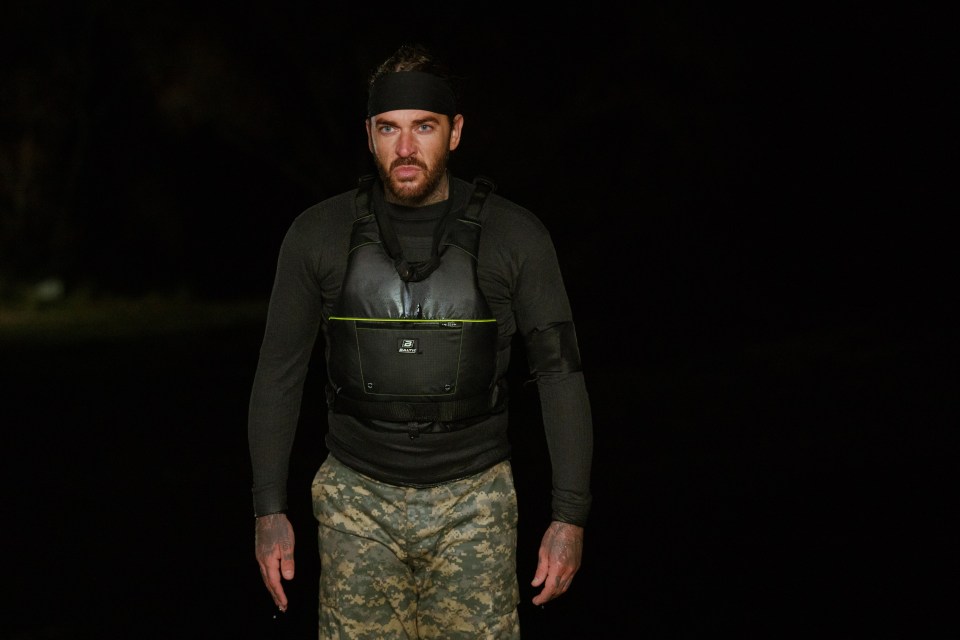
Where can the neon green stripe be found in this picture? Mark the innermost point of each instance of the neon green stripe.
(410, 319)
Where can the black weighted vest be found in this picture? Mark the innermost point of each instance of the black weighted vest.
(412, 342)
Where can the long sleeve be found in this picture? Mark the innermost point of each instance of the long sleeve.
(545, 319)
(291, 330)
(569, 432)
(521, 276)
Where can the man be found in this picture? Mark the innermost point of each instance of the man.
(419, 281)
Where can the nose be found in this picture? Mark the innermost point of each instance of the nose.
(406, 144)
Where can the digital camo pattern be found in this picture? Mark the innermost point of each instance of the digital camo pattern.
(400, 562)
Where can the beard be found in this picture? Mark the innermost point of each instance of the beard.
(413, 193)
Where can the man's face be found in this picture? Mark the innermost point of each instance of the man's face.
(410, 148)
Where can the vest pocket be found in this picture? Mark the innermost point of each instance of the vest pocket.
(409, 358)
(412, 361)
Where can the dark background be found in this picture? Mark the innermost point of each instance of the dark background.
(749, 209)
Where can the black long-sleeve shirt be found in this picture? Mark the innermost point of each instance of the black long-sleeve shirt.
(520, 277)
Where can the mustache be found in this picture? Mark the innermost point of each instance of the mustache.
(404, 162)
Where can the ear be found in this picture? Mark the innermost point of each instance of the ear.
(456, 127)
(369, 126)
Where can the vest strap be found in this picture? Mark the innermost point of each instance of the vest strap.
(451, 411)
(414, 411)
(483, 186)
(415, 272)
(362, 199)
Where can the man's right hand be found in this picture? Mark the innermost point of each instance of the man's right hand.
(274, 549)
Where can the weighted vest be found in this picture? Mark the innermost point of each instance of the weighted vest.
(413, 342)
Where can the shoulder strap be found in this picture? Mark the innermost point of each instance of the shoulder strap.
(362, 199)
(483, 186)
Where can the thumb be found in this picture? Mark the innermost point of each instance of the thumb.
(286, 568)
(541, 574)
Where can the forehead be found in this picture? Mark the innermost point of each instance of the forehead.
(402, 117)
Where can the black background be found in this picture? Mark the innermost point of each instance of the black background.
(749, 209)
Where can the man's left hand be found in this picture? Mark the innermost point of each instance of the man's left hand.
(558, 560)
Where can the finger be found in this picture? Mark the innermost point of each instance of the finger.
(555, 586)
(280, 599)
(547, 577)
(271, 578)
(543, 570)
(279, 596)
(287, 566)
(547, 594)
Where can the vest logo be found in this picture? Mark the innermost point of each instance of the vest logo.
(407, 345)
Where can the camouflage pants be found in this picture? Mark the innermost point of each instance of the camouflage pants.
(400, 562)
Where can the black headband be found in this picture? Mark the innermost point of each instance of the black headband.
(411, 90)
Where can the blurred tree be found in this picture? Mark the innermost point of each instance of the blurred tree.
(156, 144)
(46, 118)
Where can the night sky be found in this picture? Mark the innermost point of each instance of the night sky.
(748, 205)
(738, 154)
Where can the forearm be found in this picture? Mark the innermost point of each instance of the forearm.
(270, 433)
(569, 433)
(285, 353)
